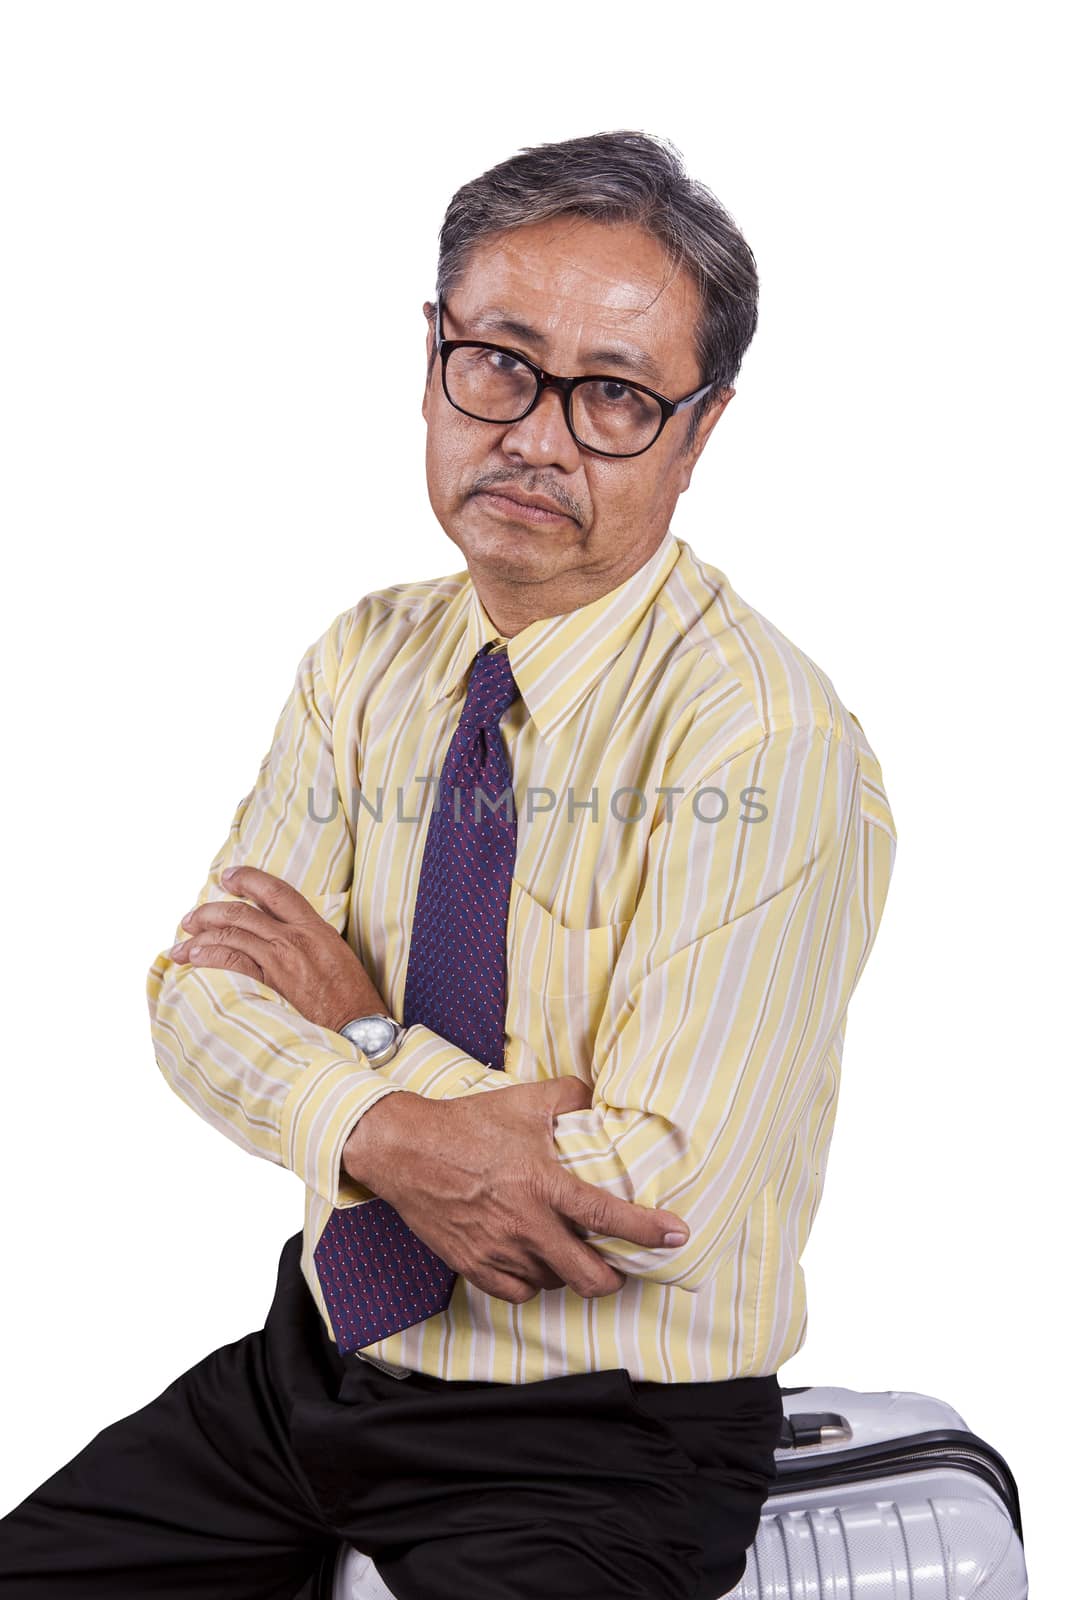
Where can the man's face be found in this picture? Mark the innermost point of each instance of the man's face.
(579, 287)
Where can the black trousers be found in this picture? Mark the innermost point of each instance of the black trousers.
(243, 1478)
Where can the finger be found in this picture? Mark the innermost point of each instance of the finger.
(273, 894)
(583, 1269)
(218, 914)
(546, 1279)
(259, 951)
(605, 1213)
(221, 956)
(508, 1266)
(568, 1094)
(502, 1286)
(535, 1270)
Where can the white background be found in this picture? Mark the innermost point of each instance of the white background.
(220, 224)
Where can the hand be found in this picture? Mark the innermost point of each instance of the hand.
(281, 941)
(478, 1180)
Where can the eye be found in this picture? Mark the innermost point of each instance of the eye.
(616, 395)
(501, 362)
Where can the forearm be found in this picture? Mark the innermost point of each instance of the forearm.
(389, 1121)
(429, 1068)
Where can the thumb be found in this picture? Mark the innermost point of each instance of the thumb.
(605, 1213)
(568, 1094)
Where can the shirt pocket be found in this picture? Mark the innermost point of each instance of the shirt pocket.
(558, 980)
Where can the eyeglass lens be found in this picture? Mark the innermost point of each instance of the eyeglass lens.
(606, 413)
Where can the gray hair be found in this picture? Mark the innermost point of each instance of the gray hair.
(624, 176)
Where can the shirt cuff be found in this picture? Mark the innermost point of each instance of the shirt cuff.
(326, 1103)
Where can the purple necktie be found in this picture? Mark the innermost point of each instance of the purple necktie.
(377, 1276)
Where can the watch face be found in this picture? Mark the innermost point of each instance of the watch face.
(371, 1033)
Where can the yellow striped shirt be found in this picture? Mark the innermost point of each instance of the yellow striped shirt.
(704, 851)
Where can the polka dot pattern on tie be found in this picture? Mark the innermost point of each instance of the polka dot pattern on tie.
(377, 1276)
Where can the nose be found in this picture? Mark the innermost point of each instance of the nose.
(542, 436)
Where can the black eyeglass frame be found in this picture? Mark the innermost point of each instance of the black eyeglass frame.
(566, 387)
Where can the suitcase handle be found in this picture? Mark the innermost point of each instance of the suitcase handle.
(806, 1428)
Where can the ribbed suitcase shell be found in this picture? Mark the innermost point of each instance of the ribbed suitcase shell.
(879, 1496)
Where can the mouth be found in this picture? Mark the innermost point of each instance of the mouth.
(517, 511)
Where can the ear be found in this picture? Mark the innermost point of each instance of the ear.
(707, 423)
(429, 311)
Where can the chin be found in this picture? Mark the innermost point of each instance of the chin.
(505, 544)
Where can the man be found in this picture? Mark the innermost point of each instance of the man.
(575, 825)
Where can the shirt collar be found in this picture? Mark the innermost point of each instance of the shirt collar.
(556, 661)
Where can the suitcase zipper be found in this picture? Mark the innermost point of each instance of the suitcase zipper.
(948, 1448)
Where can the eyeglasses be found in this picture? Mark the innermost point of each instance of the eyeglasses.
(608, 415)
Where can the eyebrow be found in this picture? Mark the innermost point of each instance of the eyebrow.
(494, 319)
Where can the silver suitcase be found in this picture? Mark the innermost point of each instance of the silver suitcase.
(880, 1496)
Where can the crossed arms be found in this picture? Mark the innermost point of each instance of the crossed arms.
(727, 992)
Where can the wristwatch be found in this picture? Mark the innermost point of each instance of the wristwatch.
(377, 1036)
